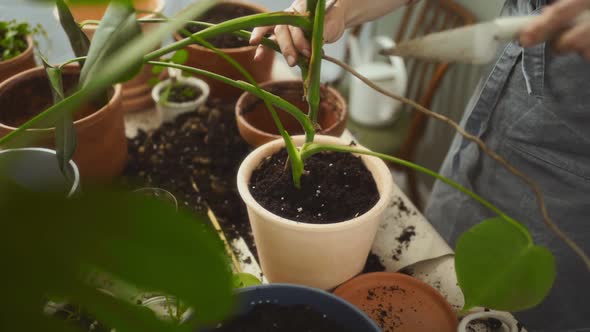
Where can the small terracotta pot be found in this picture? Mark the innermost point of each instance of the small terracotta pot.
(203, 58)
(101, 151)
(257, 127)
(400, 303)
(21, 62)
(316, 255)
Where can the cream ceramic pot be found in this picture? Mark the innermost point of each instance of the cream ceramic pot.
(321, 256)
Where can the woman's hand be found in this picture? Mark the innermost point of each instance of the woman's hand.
(340, 15)
(556, 19)
(291, 39)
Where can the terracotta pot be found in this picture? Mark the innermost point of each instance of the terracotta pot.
(101, 151)
(400, 303)
(203, 58)
(137, 91)
(21, 62)
(257, 127)
(321, 256)
(38, 170)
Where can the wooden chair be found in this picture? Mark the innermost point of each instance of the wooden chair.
(424, 77)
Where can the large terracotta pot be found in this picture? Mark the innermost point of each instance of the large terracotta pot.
(316, 255)
(101, 151)
(257, 127)
(136, 93)
(203, 58)
(21, 62)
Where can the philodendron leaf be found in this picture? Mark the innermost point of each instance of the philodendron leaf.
(499, 267)
(78, 39)
(65, 132)
(117, 28)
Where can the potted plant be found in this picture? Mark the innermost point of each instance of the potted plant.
(294, 308)
(255, 122)
(236, 47)
(16, 47)
(532, 272)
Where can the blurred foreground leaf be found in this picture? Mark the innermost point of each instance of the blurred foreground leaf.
(51, 247)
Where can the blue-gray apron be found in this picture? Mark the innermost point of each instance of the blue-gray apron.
(534, 110)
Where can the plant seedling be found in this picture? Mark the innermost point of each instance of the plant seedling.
(13, 37)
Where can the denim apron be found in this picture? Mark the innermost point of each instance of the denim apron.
(533, 108)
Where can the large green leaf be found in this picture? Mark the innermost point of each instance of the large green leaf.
(78, 39)
(65, 132)
(54, 249)
(117, 28)
(499, 267)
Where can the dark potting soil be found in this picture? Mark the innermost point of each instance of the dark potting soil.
(79, 319)
(220, 13)
(335, 188)
(182, 93)
(269, 317)
(373, 264)
(196, 158)
(32, 96)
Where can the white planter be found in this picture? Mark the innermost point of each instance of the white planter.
(170, 110)
(321, 256)
(37, 169)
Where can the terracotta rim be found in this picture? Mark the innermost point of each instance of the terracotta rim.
(25, 53)
(159, 8)
(419, 284)
(240, 105)
(267, 149)
(81, 123)
(252, 6)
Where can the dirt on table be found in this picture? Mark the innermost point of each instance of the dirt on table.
(220, 13)
(335, 187)
(269, 317)
(196, 158)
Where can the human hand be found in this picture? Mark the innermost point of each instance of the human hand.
(557, 19)
(291, 39)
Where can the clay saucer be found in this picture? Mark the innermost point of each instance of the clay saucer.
(400, 303)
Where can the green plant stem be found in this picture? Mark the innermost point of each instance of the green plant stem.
(230, 26)
(314, 148)
(78, 59)
(312, 82)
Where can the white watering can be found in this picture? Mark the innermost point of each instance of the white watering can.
(367, 106)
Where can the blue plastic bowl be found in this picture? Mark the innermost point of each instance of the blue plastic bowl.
(336, 309)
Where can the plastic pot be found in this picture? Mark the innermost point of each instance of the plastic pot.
(399, 302)
(257, 127)
(170, 110)
(321, 256)
(203, 58)
(21, 62)
(37, 169)
(333, 307)
(101, 152)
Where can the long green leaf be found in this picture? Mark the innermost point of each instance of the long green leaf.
(65, 132)
(499, 267)
(105, 78)
(312, 79)
(116, 29)
(78, 39)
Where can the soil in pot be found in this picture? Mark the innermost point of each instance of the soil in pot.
(79, 319)
(33, 97)
(273, 317)
(336, 187)
(182, 93)
(220, 13)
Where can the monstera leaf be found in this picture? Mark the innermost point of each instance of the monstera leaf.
(498, 266)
